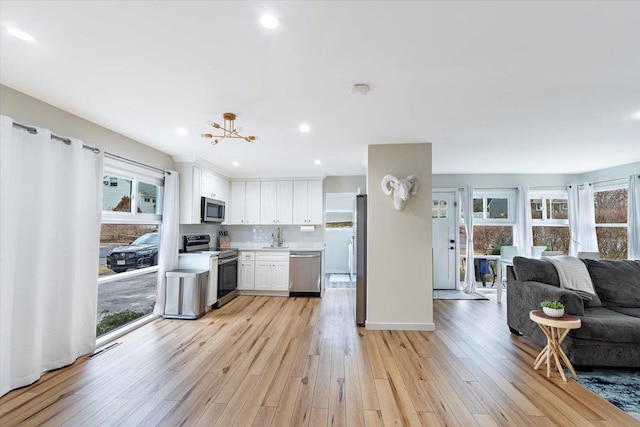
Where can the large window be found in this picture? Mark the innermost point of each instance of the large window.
(550, 220)
(611, 222)
(487, 239)
(493, 220)
(129, 245)
(130, 198)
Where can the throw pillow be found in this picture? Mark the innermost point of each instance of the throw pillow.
(617, 282)
(535, 270)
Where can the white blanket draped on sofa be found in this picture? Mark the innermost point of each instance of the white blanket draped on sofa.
(50, 205)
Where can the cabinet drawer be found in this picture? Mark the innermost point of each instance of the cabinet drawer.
(272, 256)
(247, 256)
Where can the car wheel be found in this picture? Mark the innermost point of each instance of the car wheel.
(119, 270)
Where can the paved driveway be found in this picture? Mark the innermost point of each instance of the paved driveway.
(134, 294)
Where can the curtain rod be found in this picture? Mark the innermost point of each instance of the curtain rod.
(601, 182)
(133, 162)
(34, 131)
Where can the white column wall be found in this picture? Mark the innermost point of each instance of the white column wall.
(399, 259)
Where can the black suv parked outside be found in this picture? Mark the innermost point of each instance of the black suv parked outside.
(142, 252)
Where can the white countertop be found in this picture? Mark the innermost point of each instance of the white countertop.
(251, 246)
(208, 253)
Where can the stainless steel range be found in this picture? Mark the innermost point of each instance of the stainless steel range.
(227, 265)
(227, 275)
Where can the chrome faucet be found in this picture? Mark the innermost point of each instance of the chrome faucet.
(279, 240)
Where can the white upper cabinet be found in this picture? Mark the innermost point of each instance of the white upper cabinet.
(244, 203)
(307, 202)
(190, 190)
(276, 205)
(197, 182)
(214, 187)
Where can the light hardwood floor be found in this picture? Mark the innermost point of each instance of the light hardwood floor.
(298, 361)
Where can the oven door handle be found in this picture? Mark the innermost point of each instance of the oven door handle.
(226, 261)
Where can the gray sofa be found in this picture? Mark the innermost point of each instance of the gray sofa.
(610, 332)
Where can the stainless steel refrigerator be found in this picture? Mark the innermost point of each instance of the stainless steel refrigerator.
(360, 258)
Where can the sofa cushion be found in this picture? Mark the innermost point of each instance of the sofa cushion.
(535, 270)
(601, 324)
(635, 312)
(617, 282)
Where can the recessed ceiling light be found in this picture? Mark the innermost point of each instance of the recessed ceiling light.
(360, 89)
(317, 162)
(305, 128)
(269, 21)
(182, 131)
(636, 115)
(236, 164)
(17, 33)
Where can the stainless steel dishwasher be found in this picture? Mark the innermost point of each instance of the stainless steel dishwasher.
(305, 273)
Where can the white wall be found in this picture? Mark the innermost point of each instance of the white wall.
(30, 111)
(500, 180)
(345, 184)
(399, 263)
(618, 172)
(533, 180)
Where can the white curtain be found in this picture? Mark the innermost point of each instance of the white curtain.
(587, 223)
(573, 205)
(466, 202)
(522, 229)
(634, 217)
(50, 206)
(582, 219)
(169, 236)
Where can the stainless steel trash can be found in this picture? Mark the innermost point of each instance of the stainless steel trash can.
(185, 294)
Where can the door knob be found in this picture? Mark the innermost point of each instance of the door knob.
(452, 241)
(452, 248)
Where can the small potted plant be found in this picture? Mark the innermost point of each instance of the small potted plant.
(553, 308)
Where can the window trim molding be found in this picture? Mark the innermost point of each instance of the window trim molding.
(135, 175)
(126, 275)
(498, 193)
(612, 186)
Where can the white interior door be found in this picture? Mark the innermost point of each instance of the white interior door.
(444, 240)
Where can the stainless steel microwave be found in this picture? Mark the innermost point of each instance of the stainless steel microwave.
(212, 210)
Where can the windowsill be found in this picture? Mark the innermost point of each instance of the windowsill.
(126, 275)
(117, 333)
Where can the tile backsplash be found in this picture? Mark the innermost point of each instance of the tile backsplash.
(255, 233)
(262, 234)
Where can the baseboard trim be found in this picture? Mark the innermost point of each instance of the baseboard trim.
(375, 326)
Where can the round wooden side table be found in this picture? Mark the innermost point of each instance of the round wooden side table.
(555, 329)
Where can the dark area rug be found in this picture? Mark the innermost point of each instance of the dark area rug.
(621, 388)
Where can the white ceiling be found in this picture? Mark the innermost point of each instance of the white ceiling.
(497, 87)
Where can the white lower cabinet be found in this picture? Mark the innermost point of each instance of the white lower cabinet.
(272, 271)
(246, 271)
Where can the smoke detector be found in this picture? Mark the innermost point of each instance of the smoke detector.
(360, 89)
